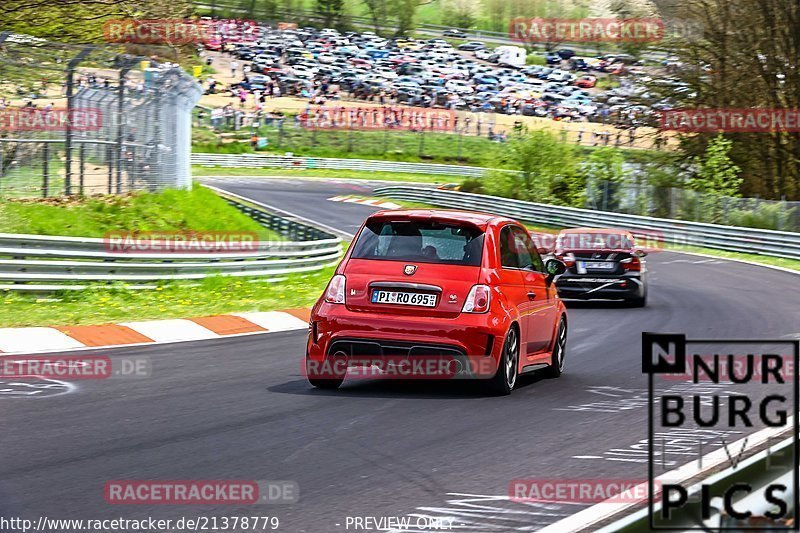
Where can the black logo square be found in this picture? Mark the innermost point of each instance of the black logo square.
(663, 353)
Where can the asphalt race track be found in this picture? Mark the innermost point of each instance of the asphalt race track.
(239, 408)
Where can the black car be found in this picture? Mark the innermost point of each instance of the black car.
(601, 264)
(245, 54)
(579, 64)
(454, 33)
(410, 94)
(471, 46)
(566, 53)
(552, 58)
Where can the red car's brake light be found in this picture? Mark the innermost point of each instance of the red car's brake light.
(334, 294)
(478, 300)
(631, 263)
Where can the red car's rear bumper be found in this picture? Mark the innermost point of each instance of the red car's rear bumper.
(473, 335)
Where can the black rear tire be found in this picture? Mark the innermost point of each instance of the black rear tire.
(508, 367)
(329, 377)
(556, 367)
(638, 302)
(327, 384)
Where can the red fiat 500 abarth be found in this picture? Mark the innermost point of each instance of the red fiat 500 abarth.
(463, 286)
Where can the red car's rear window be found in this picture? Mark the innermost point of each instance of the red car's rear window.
(420, 241)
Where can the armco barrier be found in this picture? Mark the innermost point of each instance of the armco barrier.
(301, 163)
(678, 232)
(765, 468)
(45, 263)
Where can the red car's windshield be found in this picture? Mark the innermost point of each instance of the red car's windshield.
(420, 241)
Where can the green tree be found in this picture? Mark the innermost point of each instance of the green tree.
(406, 11)
(547, 170)
(458, 13)
(716, 173)
(604, 170)
(716, 176)
(331, 10)
(81, 21)
(605, 164)
(378, 12)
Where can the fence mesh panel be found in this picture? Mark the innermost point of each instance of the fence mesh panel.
(87, 120)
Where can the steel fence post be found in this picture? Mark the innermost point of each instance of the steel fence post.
(45, 170)
(71, 66)
(82, 157)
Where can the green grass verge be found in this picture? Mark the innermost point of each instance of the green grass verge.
(444, 148)
(172, 210)
(200, 171)
(211, 296)
(791, 264)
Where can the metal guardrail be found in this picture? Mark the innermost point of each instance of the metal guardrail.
(736, 239)
(300, 163)
(30, 263)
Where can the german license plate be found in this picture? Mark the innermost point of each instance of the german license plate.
(600, 265)
(404, 298)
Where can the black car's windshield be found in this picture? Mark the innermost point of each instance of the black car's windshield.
(424, 242)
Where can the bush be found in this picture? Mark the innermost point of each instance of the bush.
(535, 59)
(496, 183)
(472, 185)
(765, 216)
(543, 161)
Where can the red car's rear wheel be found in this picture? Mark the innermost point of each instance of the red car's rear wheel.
(508, 367)
(556, 367)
